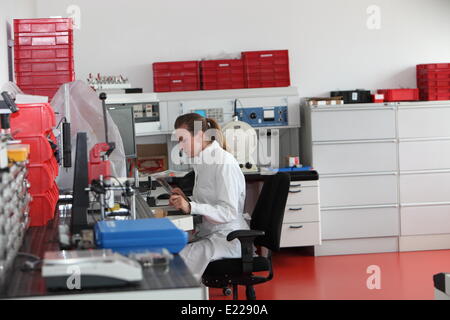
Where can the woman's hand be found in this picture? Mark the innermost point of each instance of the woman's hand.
(179, 203)
(179, 192)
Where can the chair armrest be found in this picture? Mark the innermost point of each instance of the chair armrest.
(244, 234)
(246, 237)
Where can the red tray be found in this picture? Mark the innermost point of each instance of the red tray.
(44, 65)
(32, 79)
(47, 25)
(392, 95)
(222, 74)
(44, 52)
(33, 120)
(176, 76)
(41, 177)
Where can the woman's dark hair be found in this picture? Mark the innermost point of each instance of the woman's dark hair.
(187, 121)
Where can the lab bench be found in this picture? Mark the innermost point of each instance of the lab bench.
(172, 282)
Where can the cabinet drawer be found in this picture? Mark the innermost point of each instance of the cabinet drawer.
(360, 223)
(424, 155)
(357, 124)
(355, 157)
(309, 195)
(425, 220)
(300, 234)
(425, 187)
(358, 190)
(301, 184)
(424, 122)
(302, 213)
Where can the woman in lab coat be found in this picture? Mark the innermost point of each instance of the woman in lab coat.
(218, 194)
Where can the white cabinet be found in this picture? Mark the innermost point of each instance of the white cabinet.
(301, 224)
(354, 149)
(385, 175)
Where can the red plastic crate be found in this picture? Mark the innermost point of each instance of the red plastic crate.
(266, 68)
(44, 52)
(48, 91)
(222, 74)
(33, 120)
(47, 25)
(433, 66)
(41, 177)
(176, 76)
(392, 95)
(434, 75)
(56, 78)
(60, 38)
(43, 65)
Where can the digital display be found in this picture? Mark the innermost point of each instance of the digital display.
(269, 115)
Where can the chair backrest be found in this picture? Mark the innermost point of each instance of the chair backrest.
(269, 210)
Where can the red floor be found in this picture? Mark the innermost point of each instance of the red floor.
(407, 275)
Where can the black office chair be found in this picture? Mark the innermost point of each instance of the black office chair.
(265, 225)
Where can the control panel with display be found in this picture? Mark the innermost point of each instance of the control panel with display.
(264, 117)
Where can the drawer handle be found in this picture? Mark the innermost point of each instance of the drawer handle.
(298, 191)
(295, 209)
(295, 227)
(295, 185)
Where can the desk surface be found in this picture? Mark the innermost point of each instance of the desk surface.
(172, 282)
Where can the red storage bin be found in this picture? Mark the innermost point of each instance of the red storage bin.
(176, 76)
(266, 68)
(33, 120)
(222, 74)
(40, 149)
(56, 78)
(42, 208)
(41, 177)
(392, 95)
(44, 65)
(43, 52)
(47, 25)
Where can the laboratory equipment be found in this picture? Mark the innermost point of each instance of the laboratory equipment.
(242, 143)
(81, 269)
(123, 117)
(145, 108)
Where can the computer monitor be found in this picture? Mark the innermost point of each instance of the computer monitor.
(123, 117)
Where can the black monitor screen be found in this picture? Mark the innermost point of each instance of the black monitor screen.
(123, 117)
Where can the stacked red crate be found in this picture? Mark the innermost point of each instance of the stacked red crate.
(222, 74)
(43, 54)
(433, 81)
(395, 95)
(176, 76)
(266, 68)
(33, 125)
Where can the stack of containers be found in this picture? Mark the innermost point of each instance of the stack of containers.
(176, 76)
(222, 74)
(33, 125)
(43, 54)
(433, 81)
(266, 68)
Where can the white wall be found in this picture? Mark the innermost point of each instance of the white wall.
(329, 42)
(11, 9)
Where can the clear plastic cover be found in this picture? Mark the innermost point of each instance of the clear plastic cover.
(85, 113)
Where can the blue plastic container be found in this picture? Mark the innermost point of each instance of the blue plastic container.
(134, 236)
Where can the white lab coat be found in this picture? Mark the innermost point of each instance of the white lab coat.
(218, 196)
